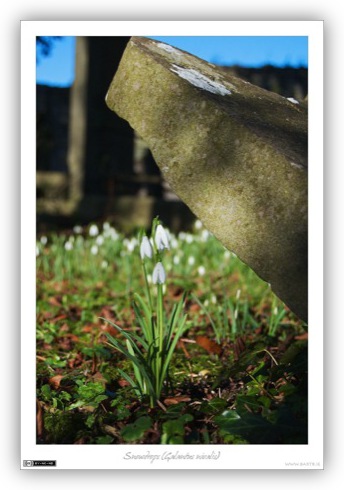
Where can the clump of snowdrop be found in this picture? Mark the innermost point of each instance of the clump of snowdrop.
(160, 332)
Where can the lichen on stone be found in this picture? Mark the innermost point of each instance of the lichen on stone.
(201, 81)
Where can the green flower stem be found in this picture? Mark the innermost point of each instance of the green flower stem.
(147, 286)
(160, 325)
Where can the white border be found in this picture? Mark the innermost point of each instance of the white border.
(232, 457)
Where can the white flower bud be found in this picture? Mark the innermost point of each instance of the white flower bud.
(146, 248)
(159, 274)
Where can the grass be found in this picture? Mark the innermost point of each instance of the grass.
(237, 376)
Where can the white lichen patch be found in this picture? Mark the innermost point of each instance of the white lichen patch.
(297, 165)
(201, 81)
(169, 49)
(292, 100)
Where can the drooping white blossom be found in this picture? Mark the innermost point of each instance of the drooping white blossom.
(161, 238)
(159, 274)
(146, 249)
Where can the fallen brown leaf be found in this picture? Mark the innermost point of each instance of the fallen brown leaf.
(176, 399)
(208, 344)
(55, 381)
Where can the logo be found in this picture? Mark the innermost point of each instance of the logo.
(27, 463)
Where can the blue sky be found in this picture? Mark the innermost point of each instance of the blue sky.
(252, 51)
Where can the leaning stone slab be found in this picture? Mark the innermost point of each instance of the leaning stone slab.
(234, 153)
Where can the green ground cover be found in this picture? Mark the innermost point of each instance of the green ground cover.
(238, 374)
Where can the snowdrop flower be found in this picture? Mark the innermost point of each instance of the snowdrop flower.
(189, 238)
(161, 238)
(201, 270)
(159, 274)
(94, 250)
(227, 254)
(112, 233)
(213, 299)
(37, 251)
(275, 311)
(198, 224)
(238, 294)
(174, 243)
(205, 235)
(176, 259)
(68, 246)
(236, 313)
(146, 248)
(106, 226)
(104, 264)
(77, 229)
(191, 260)
(44, 240)
(93, 231)
(129, 244)
(100, 240)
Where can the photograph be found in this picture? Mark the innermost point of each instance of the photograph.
(172, 298)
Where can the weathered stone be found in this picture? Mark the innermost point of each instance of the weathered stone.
(234, 153)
